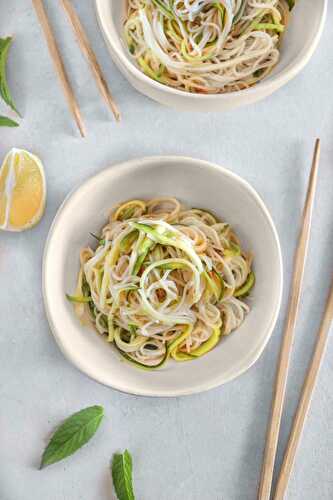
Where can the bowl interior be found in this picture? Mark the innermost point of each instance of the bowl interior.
(198, 184)
(305, 23)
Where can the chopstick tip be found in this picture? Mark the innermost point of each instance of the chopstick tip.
(317, 149)
(82, 129)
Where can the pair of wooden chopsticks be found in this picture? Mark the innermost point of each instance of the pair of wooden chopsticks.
(59, 64)
(265, 486)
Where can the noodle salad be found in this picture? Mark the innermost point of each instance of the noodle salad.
(206, 46)
(164, 281)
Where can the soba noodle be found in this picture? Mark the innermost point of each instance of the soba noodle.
(164, 281)
(206, 46)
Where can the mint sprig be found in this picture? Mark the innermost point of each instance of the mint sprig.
(5, 44)
(122, 475)
(7, 122)
(72, 434)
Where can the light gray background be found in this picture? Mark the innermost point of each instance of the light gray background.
(203, 447)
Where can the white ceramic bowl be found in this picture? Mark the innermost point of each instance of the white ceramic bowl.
(198, 184)
(298, 45)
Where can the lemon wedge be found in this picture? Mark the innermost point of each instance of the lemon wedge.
(22, 191)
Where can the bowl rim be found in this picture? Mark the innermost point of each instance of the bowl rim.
(252, 356)
(266, 86)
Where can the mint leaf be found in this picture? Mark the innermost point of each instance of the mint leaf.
(73, 433)
(7, 122)
(122, 475)
(5, 44)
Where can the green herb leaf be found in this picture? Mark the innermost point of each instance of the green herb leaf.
(7, 122)
(5, 44)
(122, 475)
(73, 433)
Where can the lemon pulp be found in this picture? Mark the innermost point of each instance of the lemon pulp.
(22, 191)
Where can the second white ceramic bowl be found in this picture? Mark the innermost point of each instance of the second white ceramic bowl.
(198, 184)
(299, 44)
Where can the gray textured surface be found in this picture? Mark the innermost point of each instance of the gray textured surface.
(205, 447)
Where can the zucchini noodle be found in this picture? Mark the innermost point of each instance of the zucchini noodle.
(206, 46)
(164, 281)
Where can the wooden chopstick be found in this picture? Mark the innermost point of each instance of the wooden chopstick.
(59, 64)
(90, 56)
(287, 342)
(305, 399)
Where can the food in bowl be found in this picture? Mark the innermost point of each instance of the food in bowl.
(197, 183)
(164, 281)
(205, 46)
